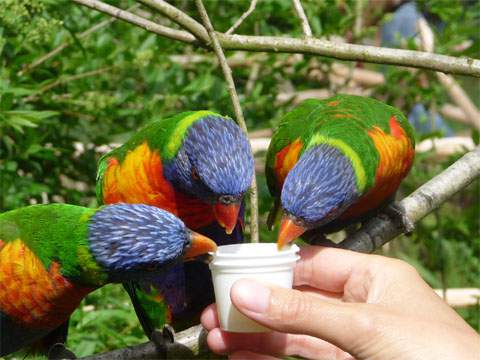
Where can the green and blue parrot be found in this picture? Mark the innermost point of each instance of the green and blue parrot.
(198, 165)
(336, 162)
(52, 256)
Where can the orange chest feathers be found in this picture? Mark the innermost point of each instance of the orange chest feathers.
(139, 180)
(32, 295)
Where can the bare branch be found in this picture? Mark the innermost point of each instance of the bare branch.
(352, 52)
(179, 17)
(357, 27)
(188, 343)
(307, 30)
(365, 53)
(227, 72)
(421, 202)
(138, 20)
(246, 14)
(65, 80)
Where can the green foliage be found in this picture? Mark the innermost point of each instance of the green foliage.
(102, 88)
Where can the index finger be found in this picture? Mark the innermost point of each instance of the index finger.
(330, 268)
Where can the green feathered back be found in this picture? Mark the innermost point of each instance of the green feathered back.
(55, 232)
(164, 135)
(342, 121)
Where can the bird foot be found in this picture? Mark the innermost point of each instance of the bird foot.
(162, 338)
(59, 351)
(396, 212)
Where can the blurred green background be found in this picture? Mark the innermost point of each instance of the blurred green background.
(57, 117)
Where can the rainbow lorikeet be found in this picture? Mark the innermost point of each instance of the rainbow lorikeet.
(197, 165)
(335, 162)
(52, 256)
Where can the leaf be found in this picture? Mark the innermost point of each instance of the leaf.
(6, 101)
(32, 115)
(476, 136)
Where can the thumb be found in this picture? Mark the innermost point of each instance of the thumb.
(345, 325)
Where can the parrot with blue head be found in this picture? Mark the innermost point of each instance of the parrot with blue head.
(198, 165)
(336, 162)
(52, 256)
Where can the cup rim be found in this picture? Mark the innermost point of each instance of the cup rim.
(292, 250)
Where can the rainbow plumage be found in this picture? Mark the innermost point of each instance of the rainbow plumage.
(197, 165)
(52, 256)
(334, 162)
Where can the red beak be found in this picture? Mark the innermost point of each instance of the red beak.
(289, 231)
(227, 215)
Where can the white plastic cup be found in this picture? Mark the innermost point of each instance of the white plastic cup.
(259, 261)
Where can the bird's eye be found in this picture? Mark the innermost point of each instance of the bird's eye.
(195, 175)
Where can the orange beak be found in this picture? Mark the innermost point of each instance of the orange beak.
(200, 245)
(289, 231)
(227, 215)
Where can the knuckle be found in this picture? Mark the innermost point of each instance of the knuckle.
(367, 322)
(404, 268)
(292, 306)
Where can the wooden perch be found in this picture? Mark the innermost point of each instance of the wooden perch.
(188, 344)
(381, 229)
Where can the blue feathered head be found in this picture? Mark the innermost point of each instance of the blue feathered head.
(214, 160)
(132, 241)
(319, 187)
(214, 164)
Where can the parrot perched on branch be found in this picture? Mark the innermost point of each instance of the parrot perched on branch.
(335, 162)
(52, 256)
(197, 165)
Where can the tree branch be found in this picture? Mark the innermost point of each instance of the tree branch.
(312, 46)
(307, 30)
(138, 20)
(250, 9)
(353, 52)
(188, 344)
(179, 17)
(420, 203)
(227, 72)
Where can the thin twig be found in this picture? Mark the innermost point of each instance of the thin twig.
(179, 17)
(138, 20)
(307, 30)
(65, 80)
(246, 14)
(353, 52)
(357, 27)
(421, 202)
(227, 72)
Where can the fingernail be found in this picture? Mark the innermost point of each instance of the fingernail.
(250, 295)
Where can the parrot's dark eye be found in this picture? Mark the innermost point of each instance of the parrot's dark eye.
(195, 174)
(227, 199)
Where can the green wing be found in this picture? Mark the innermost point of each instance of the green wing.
(295, 125)
(102, 166)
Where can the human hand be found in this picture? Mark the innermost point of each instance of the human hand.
(346, 305)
